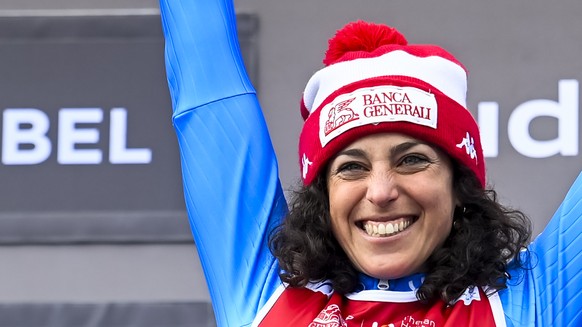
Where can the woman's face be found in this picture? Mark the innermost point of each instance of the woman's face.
(391, 203)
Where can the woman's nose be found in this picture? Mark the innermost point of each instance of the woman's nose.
(382, 189)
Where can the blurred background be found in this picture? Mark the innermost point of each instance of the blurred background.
(93, 230)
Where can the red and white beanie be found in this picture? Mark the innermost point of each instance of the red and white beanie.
(375, 82)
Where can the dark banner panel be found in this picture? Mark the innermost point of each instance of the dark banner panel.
(88, 153)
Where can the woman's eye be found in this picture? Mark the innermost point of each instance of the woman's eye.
(413, 160)
(350, 167)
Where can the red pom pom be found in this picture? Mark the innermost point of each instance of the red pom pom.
(361, 36)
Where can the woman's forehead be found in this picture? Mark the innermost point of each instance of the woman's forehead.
(385, 139)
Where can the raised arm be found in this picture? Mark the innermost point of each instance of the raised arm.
(550, 293)
(232, 191)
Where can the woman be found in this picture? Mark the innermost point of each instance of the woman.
(393, 226)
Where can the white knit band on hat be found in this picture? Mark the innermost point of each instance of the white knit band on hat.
(444, 74)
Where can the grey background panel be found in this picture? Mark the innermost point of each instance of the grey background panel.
(190, 314)
(94, 227)
(101, 274)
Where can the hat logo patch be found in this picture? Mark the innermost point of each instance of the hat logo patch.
(469, 144)
(376, 105)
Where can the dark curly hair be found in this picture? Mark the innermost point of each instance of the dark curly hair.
(486, 238)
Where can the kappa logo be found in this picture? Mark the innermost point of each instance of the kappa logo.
(329, 317)
(305, 163)
(471, 294)
(469, 144)
(340, 115)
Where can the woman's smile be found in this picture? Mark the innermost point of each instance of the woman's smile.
(385, 228)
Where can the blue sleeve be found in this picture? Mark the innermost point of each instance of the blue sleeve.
(550, 292)
(232, 190)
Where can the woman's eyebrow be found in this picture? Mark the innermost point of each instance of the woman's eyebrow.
(403, 147)
(351, 153)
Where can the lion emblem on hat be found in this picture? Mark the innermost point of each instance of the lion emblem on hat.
(339, 115)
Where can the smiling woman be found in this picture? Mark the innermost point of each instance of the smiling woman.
(396, 206)
(393, 225)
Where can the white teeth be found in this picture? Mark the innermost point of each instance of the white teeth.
(386, 229)
(390, 228)
(382, 229)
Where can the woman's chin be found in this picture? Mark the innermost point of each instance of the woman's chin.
(392, 271)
